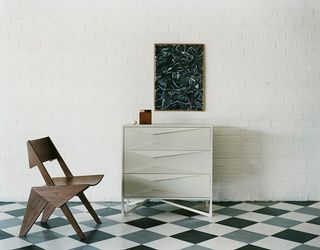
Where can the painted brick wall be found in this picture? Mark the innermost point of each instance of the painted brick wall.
(77, 70)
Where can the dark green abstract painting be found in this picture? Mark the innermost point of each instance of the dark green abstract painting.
(179, 81)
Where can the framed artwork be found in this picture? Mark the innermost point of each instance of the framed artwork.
(179, 77)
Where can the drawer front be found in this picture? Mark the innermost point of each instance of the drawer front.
(167, 162)
(167, 185)
(167, 138)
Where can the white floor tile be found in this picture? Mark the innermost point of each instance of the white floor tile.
(216, 207)
(12, 243)
(308, 228)
(168, 229)
(80, 207)
(247, 206)
(9, 207)
(265, 229)
(165, 207)
(314, 242)
(214, 218)
(61, 244)
(216, 229)
(16, 230)
(124, 218)
(94, 205)
(286, 206)
(315, 205)
(168, 217)
(298, 216)
(255, 216)
(168, 244)
(68, 230)
(4, 216)
(202, 207)
(275, 243)
(118, 206)
(120, 229)
(51, 217)
(209, 219)
(219, 243)
(80, 217)
(116, 243)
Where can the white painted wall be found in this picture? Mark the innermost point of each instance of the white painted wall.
(78, 70)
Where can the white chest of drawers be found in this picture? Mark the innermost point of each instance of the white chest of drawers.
(166, 162)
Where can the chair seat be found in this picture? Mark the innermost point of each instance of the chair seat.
(91, 180)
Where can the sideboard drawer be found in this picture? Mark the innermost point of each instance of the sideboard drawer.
(167, 138)
(167, 162)
(167, 185)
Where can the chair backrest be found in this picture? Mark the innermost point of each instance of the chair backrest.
(42, 150)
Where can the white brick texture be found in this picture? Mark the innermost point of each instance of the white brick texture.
(78, 70)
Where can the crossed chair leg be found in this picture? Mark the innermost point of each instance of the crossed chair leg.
(47, 199)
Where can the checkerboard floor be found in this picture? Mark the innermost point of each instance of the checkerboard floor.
(235, 225)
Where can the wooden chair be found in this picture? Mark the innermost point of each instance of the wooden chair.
(57, 191)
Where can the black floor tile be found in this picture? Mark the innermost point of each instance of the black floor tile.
(196, 247)
(281, 222)
(226, 203)
(147, 211)
(107, 211)
(309, 210)
(296, 236)
(140, 247)
(31, 247)
(236, 222)
(74, 203)
(52, 223)
(4, 235)
(262, 203)
(187, 202)
(16, 213)
(271, 211)
(145, 223)
(143, 236)
(184, 212)
(315, 221)
(244, 236)
(193, 236)
(93, 236)
(191, 223)
(305, 247)
(229, 211)
(2, 203)
(153, 203)
(42, 236)
(6, 223)
(85, 247)
(251, 247)
(105, 222)
(301, 203)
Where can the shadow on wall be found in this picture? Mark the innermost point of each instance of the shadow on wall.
(240, 164)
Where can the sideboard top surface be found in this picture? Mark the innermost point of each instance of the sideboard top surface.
(169, 125)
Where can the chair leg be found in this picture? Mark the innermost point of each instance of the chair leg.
(72, 221)
(47, 212)
(90, 209)
(34, 208)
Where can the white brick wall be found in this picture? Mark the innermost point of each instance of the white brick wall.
(78, 70)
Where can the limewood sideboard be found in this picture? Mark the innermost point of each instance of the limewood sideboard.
(167, 162)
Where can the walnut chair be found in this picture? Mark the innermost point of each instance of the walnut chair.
(57, 191)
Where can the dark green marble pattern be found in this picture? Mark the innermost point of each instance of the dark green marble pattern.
(179, 77)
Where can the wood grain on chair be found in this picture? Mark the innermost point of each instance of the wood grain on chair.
(58, 190)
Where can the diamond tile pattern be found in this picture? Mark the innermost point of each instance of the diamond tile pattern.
(193, 236)
(235, 225)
